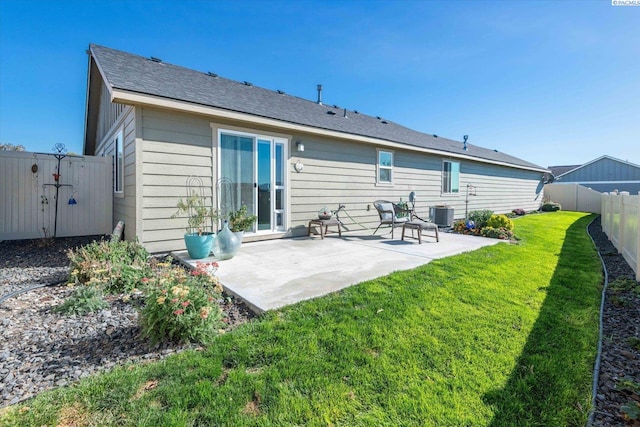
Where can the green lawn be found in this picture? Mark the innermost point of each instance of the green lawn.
(505, 335)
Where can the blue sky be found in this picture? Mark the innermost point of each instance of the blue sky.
(551, 82)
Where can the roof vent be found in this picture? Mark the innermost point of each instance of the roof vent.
(212, 74)
(319, 94)
(333, 113)
(384, 122)
(435, 136)
(356, 111)
(345, 113)
(246, 83)
(378, 117)
(154, 59)
(495, 150)
(464, 147)
(281, 92)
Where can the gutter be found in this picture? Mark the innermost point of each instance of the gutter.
(123, 96)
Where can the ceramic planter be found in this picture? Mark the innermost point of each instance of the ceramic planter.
(199, 246)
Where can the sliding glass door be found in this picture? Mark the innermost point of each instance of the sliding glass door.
(252, 169)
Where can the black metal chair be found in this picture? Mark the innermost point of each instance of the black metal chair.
(391, 214)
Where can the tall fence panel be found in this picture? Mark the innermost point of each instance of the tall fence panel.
(28, 195)
(574, 197)
(621, 224)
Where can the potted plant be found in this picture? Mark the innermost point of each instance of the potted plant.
(240, 221)
(199, 236)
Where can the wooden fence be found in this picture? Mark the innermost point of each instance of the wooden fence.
(621, 223)
(32, 184)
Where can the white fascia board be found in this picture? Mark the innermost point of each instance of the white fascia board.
(134, 98)
(596, 182)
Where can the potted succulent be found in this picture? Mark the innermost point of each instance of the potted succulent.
(240, 221)
(199, 236)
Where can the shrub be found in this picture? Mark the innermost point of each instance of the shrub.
(497, 233)
(85, 299)
(550, 207)
(459, 226)
(463, 227)
(182, 306)
(500, 221)
(480, 218)
(115, 266)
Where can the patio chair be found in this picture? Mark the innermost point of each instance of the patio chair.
(391, 214)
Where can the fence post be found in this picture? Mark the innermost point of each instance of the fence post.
(607, 214)
(638, 242)
(623, 220)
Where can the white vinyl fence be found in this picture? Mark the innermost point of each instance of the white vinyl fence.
(574, 197)
(621, 223)
(28, 195)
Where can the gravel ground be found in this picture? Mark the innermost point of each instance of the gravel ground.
(620, 358)
(40, 349)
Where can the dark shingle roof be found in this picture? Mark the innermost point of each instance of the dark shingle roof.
(559, 170)
(142, 75)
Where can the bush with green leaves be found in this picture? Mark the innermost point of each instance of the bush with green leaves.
(497, 233)
(550, 207)
(480, 217)
(240, 220)
(181, 306)
(500, 221)
(85, 299)
(114, 266)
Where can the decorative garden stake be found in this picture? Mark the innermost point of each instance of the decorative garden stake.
(60, 154)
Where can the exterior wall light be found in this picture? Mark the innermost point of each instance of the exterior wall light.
(300, 146)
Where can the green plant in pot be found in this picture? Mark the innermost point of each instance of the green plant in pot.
(240, 221)
(199, 236)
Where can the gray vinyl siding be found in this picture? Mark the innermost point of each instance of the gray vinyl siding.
(108, 115)
(605, 169)
(343, 172)
(124, 204)
(174, 147)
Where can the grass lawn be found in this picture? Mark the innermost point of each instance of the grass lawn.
(505, 335)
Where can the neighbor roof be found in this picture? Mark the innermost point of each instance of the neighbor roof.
(559, 170)
(576, 168)
(137, 74)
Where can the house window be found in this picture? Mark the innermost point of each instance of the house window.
(450, 177)
(118, 162)
(385, 167)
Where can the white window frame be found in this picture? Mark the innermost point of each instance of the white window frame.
(379, 167)
(274, 139)
(449, 182)
(118, 162)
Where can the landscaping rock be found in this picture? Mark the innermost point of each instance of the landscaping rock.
(41, 349)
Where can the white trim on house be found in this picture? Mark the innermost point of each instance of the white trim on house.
(596, 182)
(274, 139)
(450, 179)
(118, 162)
(379, 167)
(133, 98)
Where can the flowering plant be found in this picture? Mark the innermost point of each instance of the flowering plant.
(113, 266)
(182, 306)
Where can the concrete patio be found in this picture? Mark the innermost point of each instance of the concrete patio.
(275, 273)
